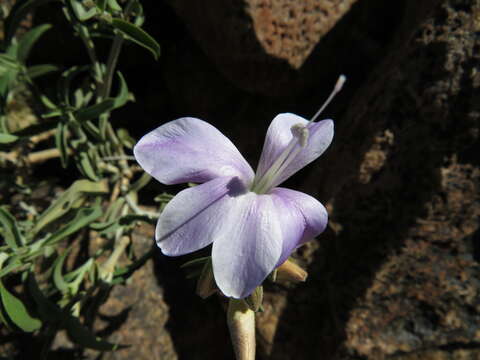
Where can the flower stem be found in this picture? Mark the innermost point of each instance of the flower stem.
(241, 323)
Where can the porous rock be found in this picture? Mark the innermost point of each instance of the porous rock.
(259, 44)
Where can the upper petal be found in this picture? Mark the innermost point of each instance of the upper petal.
(303, 218)
(190, 150)
(248, 248)
(278, 137)
(195, 216)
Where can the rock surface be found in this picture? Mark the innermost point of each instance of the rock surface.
(396, 275)
(260, 44)
(399, 270)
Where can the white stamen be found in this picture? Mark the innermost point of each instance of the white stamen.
(338, 86)
(300, 137)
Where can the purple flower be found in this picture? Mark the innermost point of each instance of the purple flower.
(253, 224)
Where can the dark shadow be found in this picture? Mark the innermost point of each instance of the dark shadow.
(198, 327)
(375, 216)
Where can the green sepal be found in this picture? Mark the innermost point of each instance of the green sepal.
(255, 299)
(196, 262)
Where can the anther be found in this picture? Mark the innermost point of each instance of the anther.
(301, 132)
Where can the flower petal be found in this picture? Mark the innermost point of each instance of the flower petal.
(302, 218)
(278, 137)
(249, 247)
(194, 217)
(190, 150)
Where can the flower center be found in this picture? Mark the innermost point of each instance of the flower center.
(297, 143)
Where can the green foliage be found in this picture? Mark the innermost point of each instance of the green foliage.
(45, 281)
(137, 35)
(17, 311)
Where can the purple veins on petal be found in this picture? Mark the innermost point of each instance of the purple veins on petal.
(302, 218)
(193, 218)
(190, 150)
(248, 251)
(278, 139)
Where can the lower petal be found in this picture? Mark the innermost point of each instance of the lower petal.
(248, 248)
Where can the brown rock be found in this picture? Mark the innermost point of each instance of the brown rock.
(398, 276)
(258, 44)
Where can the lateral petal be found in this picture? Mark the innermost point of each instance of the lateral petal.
(195, 216)
(190, 150)
(302, 218)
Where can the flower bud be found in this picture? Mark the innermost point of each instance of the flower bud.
(241, 323)
(291, 272)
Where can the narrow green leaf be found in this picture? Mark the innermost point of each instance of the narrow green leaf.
(58, 280)
(140, 183)
(101, 4)
(123, 273)
(123, 95)
(47, 310)
(28, 40)
(64, 83)
(196, 262)
(61, 142)
(76, 277)
(84, 337)
(94, 111)
(10, 232)
(47, 102)
(9, 62)
(125, 138)
(137, 35)
(3, 317)
(126, 220)
(7, 138)
(83, 217)
(78, 333)
(40, 70)
(3, 320)
(17, 312)
(7, 82)
(80, 12)
(86, 166)
(12, 265)
(113, 4)
(20, 9)
(78, 190)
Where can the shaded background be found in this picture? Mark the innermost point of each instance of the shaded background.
(397, 273)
